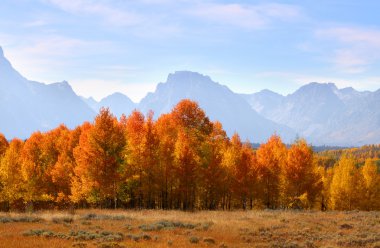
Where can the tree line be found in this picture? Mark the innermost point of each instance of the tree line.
(182, 160)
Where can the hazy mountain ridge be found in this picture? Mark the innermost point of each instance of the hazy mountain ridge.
(321, 113)
(28, 106)
(117, 102)
(325, 114)
(219, 103)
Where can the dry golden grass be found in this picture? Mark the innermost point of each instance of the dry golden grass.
(107, 228)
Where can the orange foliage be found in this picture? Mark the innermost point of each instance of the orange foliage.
(182, 160)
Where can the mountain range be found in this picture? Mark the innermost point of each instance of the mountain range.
(321, 113)
(28, 106)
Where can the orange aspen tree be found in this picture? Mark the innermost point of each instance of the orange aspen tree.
(150, 161)
(62, 172)
(193, 127)
(167, 133)
(244, 175)
(300, 182)
(3, 145)
(99, 158)
(212, 172)
(80, 188)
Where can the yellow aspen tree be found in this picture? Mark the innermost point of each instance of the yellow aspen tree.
(271, 157)
(347, 185)
(231, 156)
(34, 170)
(187, 162)
(372, 185)
(133, 168)
(10, 173)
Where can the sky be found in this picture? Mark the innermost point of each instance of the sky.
(129, 46)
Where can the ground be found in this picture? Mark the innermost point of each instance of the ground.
(156, 228)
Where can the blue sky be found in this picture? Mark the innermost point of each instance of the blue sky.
(103, 46)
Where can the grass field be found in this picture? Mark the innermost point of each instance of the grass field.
(155, 228)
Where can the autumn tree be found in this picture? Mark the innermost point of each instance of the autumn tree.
(300, 180)
(347, 185)
(244, 173)
(133, 168)
(34, 169)
(181, 160)
(167, 135)
(326, 177)
(99, 157)
(237, 162)
(187, 163)
(271, 158)
(212, 172)
(62, 172)
(51, 153)
(3, 145)
(193, 128)
(12, 183)
(372, 185)
(150, 161)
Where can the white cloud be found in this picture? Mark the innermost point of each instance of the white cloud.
(125, 14)
(357, 49)
(48, 58)
(245, 16)
(110, 14)
(352, 35)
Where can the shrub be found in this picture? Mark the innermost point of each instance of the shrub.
(110, 245)
(138, 237)
(7, 219)
(79, 245)
(93, 216)
(166, 225)
(194, 240)
(59, 220)
(209, 240)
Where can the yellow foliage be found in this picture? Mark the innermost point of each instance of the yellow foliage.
(347, 186)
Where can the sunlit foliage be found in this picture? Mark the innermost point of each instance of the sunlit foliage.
(180, 160)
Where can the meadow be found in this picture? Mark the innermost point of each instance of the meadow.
(159, 228)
